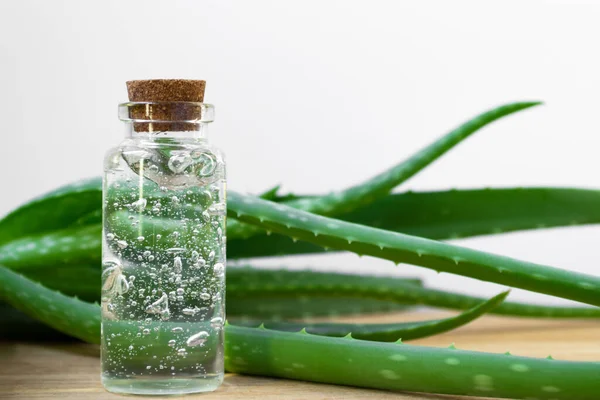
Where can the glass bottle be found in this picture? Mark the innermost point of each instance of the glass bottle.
(163, 279)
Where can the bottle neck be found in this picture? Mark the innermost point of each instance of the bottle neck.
(165, 121)
(198, 132)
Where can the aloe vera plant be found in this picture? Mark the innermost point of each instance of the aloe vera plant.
(56, 237)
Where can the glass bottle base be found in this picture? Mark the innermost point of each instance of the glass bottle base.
(163, 386)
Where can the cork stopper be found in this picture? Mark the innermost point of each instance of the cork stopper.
(169, 112)
(166, 90)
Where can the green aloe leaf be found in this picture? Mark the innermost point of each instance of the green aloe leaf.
(436, 215)
(391, 366)
(248, 276)
(247, 307)
(275, 295)
(265, 287)
(56, 248)
(63, 313)
(400, 248)
(271, 194)
(380, 185)
(388, 332)
(449, 215)
(269, 305)
(396, 366)
(52, 211)
(81, 281)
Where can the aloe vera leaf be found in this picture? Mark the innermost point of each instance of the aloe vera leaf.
(63, 313)
(47, 252)
(82, 281)
(68, 246)
(69, 260)
(437, 215)
(389, 332)
(94, 217)
(379, 185)
(281, 294)
(396, 366)
(248, 275)
(401, 248)
(300, 285)
(449, 215)
(270, 194)
(344, 361)
(517, 209)
(302, 307)
(53, 210)
(463, 213)
(269, 306)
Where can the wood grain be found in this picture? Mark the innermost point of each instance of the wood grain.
(72, 370)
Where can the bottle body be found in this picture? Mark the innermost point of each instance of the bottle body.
(163, 279)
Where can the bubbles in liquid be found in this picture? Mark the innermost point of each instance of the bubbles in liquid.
(198, 339)
(189, 311)
(206, 163)
(110, 265)
(114, 282)
(160, 306)
(179, 161)
(217, 209)
(175, 250)
(216, 323)
(205, 296)
(172, 273)
(139, 205)
(177, 265)
(219, 269)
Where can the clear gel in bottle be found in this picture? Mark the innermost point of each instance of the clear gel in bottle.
(163, 273)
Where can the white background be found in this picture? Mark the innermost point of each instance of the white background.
(318, 95)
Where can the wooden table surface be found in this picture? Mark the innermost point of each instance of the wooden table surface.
(72, 370)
